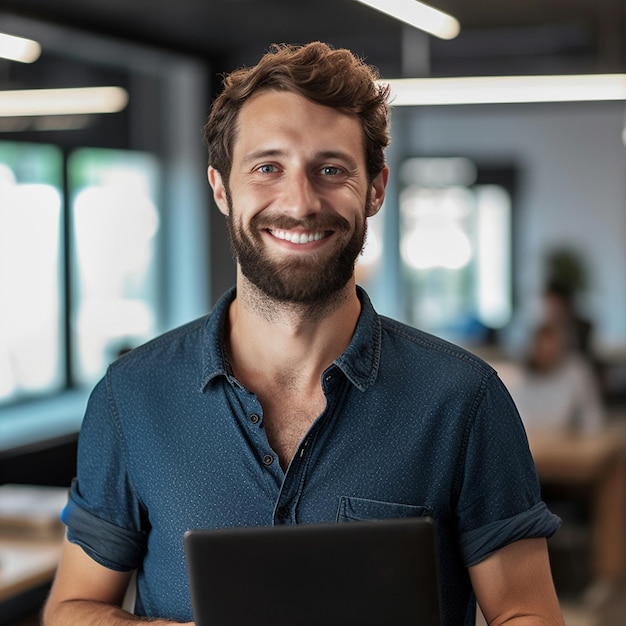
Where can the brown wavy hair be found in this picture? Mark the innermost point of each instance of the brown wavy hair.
(332, 77)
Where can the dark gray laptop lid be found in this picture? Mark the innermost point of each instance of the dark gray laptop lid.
(349, 574)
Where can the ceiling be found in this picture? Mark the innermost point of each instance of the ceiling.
(497, 36)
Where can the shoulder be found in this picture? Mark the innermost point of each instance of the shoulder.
(152, 376)
(173, 345)
(404, 341)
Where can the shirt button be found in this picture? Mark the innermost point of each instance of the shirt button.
(268, 459)
(282, 514)
(254, 418)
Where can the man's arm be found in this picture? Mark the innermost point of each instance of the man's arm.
(85, 593)
(514, 586)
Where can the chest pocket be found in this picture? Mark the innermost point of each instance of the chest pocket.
(360, 509)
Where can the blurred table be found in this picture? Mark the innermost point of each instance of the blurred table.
(597, 464)
(26, 564)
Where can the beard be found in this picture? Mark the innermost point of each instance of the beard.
(308, 279)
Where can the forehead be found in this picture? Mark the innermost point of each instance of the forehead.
(289, 119)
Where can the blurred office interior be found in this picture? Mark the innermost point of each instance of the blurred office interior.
(108, 235)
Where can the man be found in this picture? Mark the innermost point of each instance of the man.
(293, 401)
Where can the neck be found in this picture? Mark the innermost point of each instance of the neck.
(268, 339)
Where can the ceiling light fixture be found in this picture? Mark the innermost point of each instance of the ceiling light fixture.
(19, 49)
(506, 89)
(419, 15)
(77, 101)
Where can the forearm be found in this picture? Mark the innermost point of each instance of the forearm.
(514, 586)
(91, 613)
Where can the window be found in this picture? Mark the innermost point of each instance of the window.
(114, 222)
(31, 276)
(78, 271)
(455, 260)
(455, 249)
(442, 255)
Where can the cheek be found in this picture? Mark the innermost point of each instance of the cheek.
(250, 199)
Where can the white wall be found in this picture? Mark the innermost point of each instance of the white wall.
(572, 187)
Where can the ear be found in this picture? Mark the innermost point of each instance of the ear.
(379, 184)
(219, 190)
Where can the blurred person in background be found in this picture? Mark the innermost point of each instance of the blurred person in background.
(557, 389)
(560, 308)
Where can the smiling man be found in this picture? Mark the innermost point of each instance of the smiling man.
(293, 401)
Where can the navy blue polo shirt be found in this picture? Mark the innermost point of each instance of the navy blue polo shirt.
(413, 426)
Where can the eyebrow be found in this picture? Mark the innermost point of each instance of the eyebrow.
(261, 154)
(346, 157)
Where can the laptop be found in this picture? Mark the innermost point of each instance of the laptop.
(365, 573)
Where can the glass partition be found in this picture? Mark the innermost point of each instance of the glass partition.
(443, 253)
(114, 218)
(31, 277)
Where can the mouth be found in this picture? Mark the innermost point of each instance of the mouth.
(299, 237)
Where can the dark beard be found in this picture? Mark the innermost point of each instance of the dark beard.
(314, 279)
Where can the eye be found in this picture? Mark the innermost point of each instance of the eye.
(331, 170)
(266, 169)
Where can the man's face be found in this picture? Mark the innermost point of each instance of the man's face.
(297, 197)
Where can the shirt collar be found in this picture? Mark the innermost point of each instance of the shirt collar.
(361, 359)
(359, 362)
(214, 361)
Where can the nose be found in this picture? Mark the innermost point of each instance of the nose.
(300, 197)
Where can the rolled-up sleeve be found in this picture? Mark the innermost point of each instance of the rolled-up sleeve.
(103, 514)
(113, 547)
(478, 544)
(500, 500)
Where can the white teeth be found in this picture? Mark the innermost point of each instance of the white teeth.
(297, 237)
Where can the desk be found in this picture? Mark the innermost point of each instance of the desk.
(597, 464)
(26, 564)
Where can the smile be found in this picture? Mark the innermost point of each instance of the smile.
(298, 237)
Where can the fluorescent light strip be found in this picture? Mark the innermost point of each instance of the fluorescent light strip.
(19, 49)
(62, 101)
(418, 15)
(506, 89)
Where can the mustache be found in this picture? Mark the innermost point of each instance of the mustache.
(285, 222)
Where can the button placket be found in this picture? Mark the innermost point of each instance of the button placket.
(305, 443)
